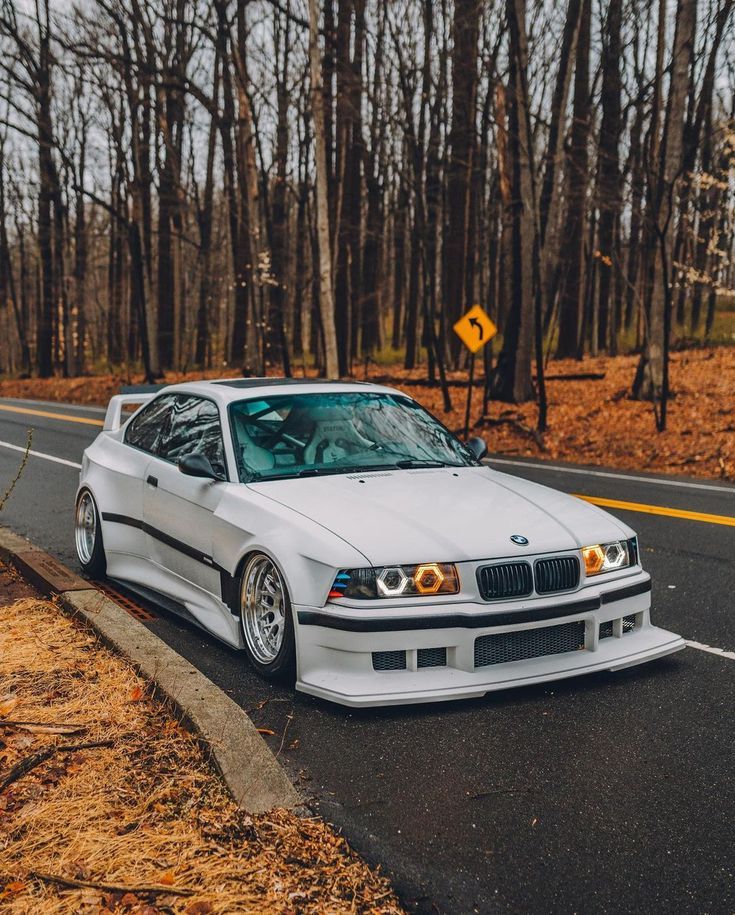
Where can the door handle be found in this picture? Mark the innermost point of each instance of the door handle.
(152, 481)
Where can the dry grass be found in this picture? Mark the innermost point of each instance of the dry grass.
(146, 810)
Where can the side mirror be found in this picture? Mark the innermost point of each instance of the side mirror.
(197, 465)
(478, 448)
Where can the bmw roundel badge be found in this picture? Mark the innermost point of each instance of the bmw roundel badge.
(519, 539)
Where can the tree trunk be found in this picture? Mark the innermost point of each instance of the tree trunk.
(45, 342)
(572, 284)
(326, 297)
(649, 381)
(277, 318)
(512, 381)
(608, 186)
(80, 264)
(461, 143)
(204, 218)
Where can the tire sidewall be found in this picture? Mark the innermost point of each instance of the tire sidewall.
(283, 666)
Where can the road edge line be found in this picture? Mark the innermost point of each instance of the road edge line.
(251, 772)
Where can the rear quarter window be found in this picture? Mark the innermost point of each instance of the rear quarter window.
(148, 428)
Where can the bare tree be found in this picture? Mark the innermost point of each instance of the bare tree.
(326, 298)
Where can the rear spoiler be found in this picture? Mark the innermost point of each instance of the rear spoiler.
(113, 417)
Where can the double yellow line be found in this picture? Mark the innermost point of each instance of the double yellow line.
(645, 509)
(66, 417)
(640, 507)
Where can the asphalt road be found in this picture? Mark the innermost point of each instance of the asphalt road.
(608, 793)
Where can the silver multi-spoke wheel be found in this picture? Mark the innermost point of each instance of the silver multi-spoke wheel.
(85, 528)
(263, 609)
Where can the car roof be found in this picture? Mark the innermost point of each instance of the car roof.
(227, 390)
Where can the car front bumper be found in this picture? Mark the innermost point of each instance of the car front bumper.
(483, 647)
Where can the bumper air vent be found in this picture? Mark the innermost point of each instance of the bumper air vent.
(389, 660)
(560, 574)
(510, 579)
(431, 657)
(529, 643)
(606, 629)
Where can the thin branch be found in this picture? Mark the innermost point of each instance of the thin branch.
(112, 887)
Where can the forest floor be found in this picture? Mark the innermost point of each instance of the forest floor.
(137, 821)
(591, 420)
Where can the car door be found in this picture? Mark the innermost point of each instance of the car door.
(122, 509)
(178, 509)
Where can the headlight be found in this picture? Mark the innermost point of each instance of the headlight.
(606, 557)
(423, 580)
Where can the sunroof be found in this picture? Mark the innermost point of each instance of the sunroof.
(267, 382)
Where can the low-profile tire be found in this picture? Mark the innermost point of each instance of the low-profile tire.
(266, 619)
(88, 536)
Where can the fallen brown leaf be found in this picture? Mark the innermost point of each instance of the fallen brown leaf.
(7, 705)
(198, 908)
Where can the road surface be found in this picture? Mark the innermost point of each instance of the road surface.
(608, 793)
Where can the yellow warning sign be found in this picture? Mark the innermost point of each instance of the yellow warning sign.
(475, 328)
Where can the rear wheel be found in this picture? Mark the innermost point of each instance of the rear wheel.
(266, 618)
(88, 536)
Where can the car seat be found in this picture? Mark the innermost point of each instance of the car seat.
(333, 440)
(253, 456)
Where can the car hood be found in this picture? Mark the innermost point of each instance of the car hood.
(443, 514)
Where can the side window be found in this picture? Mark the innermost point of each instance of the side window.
(146, 429)
(195, 428)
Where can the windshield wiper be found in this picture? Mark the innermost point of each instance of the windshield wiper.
(322, 472)
(407, 464)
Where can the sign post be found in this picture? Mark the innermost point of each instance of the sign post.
(474, 329)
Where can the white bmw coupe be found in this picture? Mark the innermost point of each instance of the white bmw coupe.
(342, 536)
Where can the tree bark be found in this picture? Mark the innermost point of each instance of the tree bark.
(572, 284)
(512, 380)
(649, 381)
(326, 296)
(609, 190)
(461, 144)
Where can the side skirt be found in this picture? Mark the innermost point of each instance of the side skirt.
(172, 606)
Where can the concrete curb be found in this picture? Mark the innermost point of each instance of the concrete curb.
(250, 770)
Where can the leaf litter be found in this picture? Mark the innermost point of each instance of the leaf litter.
(592, 419)
(134, 819)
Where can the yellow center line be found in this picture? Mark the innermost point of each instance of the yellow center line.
(659, 510)
(66, 417)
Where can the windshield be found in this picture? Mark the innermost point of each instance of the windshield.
(298, 435)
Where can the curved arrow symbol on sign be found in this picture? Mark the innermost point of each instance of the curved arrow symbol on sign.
(476, 323)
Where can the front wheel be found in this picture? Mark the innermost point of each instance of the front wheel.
(266, 618)
(88, 536)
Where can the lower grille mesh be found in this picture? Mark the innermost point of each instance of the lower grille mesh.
(530, 643)
(431, 657)
(628, 623)
(389, 660)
